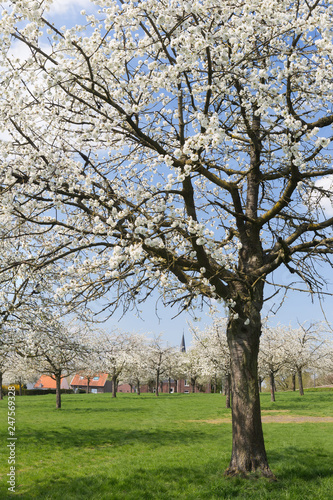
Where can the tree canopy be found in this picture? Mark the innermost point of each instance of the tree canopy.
(173, 140)
(183, 145)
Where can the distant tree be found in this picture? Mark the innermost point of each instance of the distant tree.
(157, 358)
(305, 348)
(20, 371)
(325, 368)
(136, 370)
(113, 350)
(4, 362)
(51, 346)
(191, 366)
(171, 366)
(214, 353)
(272, 354)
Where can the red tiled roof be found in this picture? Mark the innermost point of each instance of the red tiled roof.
(47, 382)
(92, 383)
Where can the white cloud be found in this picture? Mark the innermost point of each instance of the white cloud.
(69, 6)
(326, 203)
(19, 50)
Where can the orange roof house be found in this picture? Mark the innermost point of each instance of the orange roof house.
(47, 382)
(98, 383)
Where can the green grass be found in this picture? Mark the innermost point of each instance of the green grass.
(145, 447)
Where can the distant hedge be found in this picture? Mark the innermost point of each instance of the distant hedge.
(36, 392)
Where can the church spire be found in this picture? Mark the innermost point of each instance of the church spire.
(182, 345)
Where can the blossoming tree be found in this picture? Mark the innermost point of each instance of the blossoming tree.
(214, 351)
(49, 346)
(20, 371)
(174, 144)
(306, 347)
(136, 369)
(113, 350)
(273, 354)
(158, 356)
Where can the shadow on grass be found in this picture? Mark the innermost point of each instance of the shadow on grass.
(67, 437)
(188, 482)
(302, 472)
(302, 463)
(95, 409)
(155, 483)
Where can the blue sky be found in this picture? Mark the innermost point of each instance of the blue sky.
(296, 307)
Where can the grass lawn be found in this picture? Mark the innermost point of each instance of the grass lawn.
(145, 447)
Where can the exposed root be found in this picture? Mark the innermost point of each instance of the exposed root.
(259, 472)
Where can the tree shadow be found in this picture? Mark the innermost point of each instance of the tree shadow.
(303, 463)
(199, 481)
(67, 437)
(155, 483)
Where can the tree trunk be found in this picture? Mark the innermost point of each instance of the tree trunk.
(157, 382)
(169, 385)
(138, 387)
(88, 384)
(248, 449)
(260, 383)
(114, 386)
(1, 393)
(293, 381)
(58, 390)
(20, 389)
(227, 390)
(193, 385)
(300, 382)
(272, 382)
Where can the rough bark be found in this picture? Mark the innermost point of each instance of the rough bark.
(300, 382)
(243, 332)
